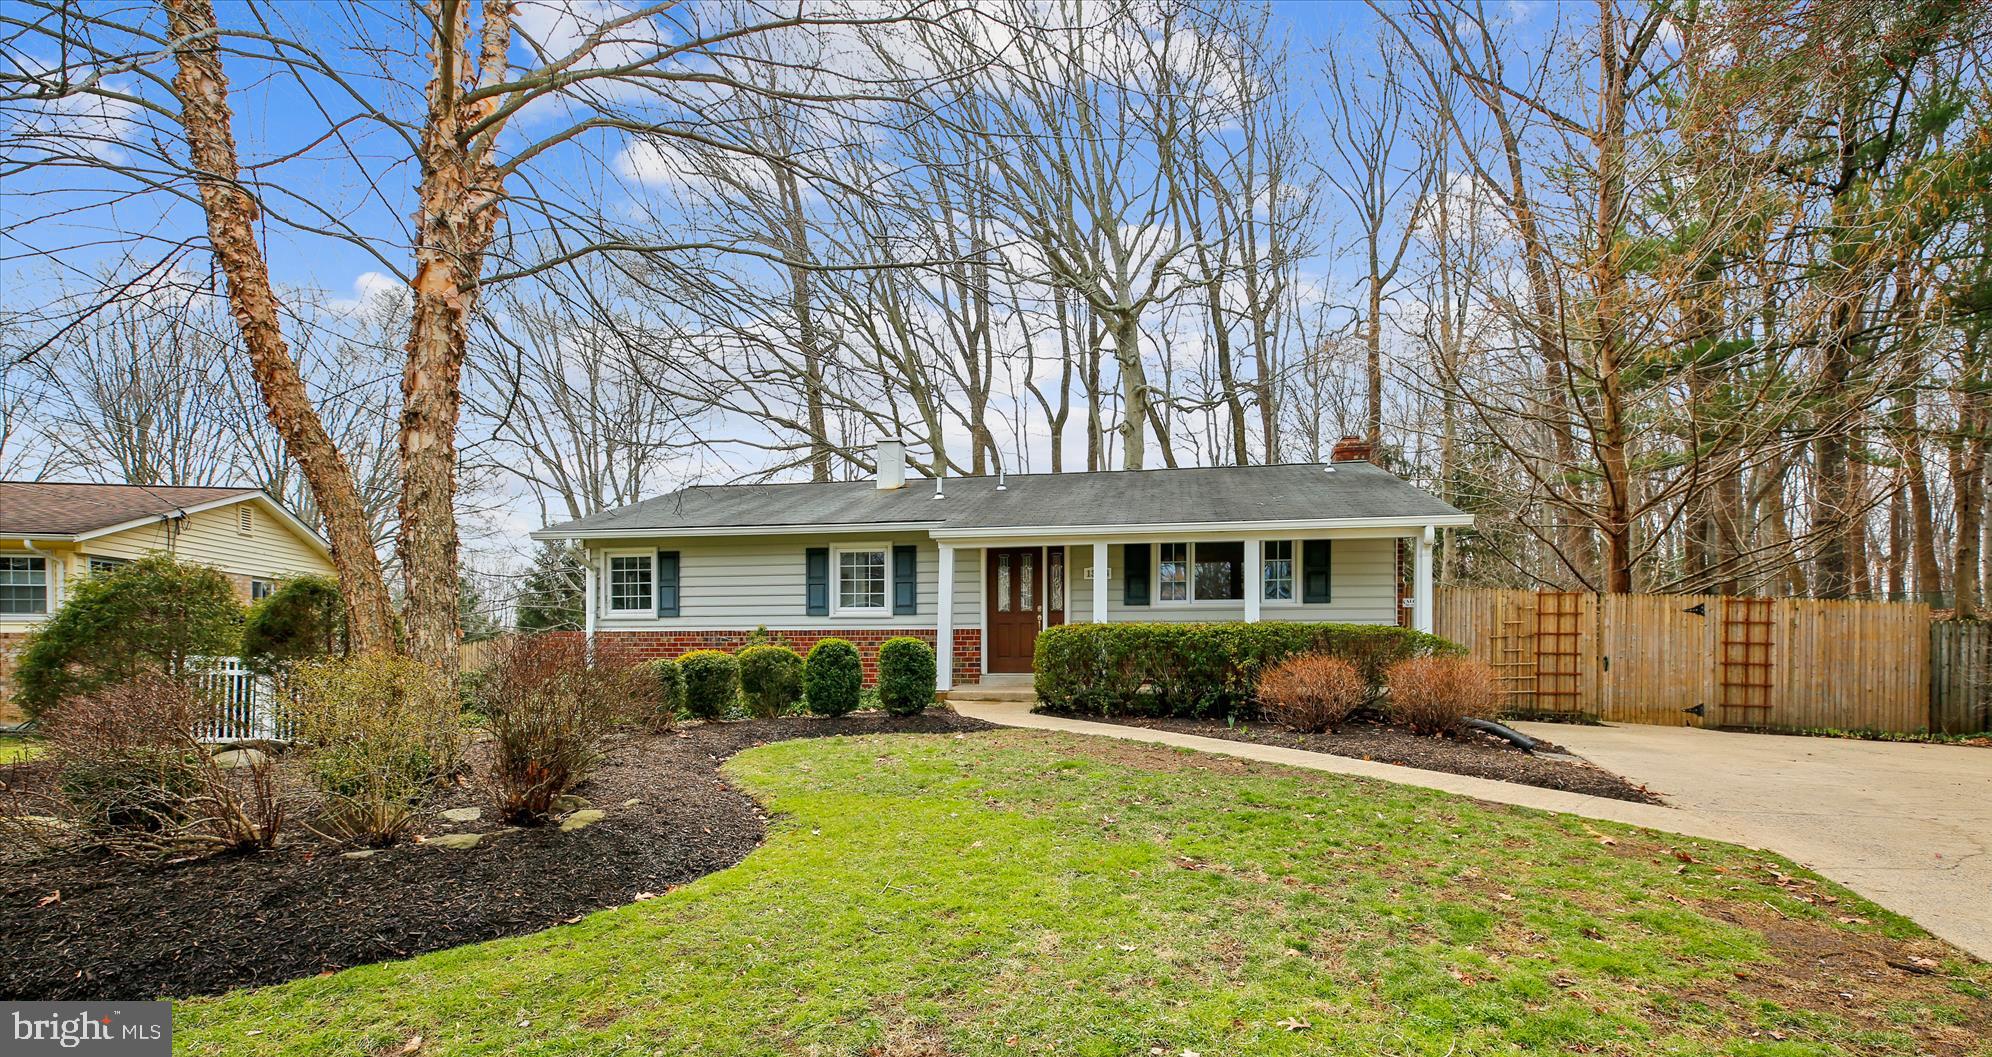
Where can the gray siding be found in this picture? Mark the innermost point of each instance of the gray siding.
(734, 583)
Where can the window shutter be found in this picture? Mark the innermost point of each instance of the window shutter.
(818, 570)
(667, 583)
(1134, 574)
(1315, 558)
(905, 579)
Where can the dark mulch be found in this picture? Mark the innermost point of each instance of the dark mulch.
(121, 930)
(1475, 754)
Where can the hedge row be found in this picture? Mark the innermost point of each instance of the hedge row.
(1208, 669)
(772, 679)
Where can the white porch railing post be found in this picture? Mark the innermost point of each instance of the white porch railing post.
(944, 621)
(1255, 579)
(1421, 585)
(588, 593)
(1100, 578)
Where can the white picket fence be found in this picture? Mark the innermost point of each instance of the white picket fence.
(247, 704)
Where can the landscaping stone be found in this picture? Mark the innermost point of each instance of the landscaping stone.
(456, 840)
(240, 758)
(568, 802)
(367, 854)
(582, 819)
(463, 814)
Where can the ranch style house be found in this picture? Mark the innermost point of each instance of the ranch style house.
(977, 566)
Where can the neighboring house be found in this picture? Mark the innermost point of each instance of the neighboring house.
(52, 535)
(979, 565)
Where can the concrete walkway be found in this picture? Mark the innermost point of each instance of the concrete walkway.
(1904, 825)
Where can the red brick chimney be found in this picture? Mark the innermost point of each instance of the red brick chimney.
(1351, 449)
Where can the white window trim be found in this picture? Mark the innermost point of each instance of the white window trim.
(49, 599)
(837, 606)
(1258, 582)
(608, 582)
(1299, 586)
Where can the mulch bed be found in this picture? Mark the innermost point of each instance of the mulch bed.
(121, 930)
(1474, 754)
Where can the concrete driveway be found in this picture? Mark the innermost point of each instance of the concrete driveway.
(1908, 826)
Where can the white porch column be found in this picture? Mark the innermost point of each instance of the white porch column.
(1255, 579)
(944, 621)
(1422, 616)
(589, 589)
(1099, 583)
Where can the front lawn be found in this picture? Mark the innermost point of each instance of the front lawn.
(18, 750)
(1022, 892)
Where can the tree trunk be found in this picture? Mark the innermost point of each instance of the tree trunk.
(202, 87)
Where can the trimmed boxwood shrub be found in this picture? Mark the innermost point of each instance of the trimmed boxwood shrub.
(832, 677)
(667, 681)
(771, 677)
(1204, 669)
(304, 619)
(712, 682)
(906, 673)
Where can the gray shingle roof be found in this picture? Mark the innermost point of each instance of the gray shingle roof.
(1204, 494)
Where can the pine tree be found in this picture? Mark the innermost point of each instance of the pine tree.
(550, 596)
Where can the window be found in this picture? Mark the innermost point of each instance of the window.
(1220, 571)
(1214, 571)
(99, 566)
(261, 589)
(631, 578)
(23, 584)
(861, 581)
(1278, 577)
(1173, 573)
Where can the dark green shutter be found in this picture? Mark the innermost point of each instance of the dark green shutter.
(818, 594)
(1315, 556)
(905, 579)
(667, 583)
(1134, 574)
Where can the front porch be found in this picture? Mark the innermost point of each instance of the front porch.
(1014, 585)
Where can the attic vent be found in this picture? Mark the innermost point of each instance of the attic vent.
(245, 519)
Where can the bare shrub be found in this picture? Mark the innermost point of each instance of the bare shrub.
(379, 732)
(1313, 693)
(550, 701)
(126, 772)
(1430, 695)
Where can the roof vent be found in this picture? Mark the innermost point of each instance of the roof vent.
(940, 476)
(891, 459)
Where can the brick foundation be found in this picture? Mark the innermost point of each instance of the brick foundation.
(650, 645)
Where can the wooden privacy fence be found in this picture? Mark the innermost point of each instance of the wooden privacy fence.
(1703, 659)
(1960, 676)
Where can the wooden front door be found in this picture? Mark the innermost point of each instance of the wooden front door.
(1016, 605)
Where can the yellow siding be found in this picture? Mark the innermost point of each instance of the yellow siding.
(268, 551)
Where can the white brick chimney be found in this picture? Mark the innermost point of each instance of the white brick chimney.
(891, 458)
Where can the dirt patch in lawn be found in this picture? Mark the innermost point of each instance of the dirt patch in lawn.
(1474, 754)
(83, 926)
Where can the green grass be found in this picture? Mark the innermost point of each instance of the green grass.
(1015, 892)
(15, 750)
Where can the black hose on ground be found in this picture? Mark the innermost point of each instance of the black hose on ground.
(1515, 737)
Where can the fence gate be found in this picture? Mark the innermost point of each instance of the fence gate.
(1559, 638)
(1744, 665)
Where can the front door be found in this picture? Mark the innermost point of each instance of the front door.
(1016, 606)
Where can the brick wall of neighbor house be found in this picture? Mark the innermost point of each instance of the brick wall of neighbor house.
(650, 645)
